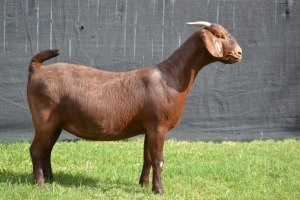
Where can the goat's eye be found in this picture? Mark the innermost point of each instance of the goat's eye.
(218, 35)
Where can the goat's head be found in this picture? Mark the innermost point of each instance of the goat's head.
(219, 42)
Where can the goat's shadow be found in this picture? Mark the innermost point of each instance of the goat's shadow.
(70, 180)
(65, 179)
(14, 178)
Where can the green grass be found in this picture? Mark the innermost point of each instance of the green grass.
(192, 170)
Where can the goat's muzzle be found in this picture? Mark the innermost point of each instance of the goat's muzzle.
(234, 57)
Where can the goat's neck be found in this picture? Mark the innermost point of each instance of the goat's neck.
(182, 67)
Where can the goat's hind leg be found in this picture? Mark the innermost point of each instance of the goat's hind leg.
(40, 151)
(47, 169)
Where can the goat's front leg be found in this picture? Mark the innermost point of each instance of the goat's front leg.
(155, 142)
(144, 179)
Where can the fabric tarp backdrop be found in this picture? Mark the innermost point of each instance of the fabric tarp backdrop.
(257, 98)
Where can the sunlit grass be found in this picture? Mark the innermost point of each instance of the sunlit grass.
(192, 170)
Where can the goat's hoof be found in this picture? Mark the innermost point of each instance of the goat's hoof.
(41, 184)
(157, 191)
(144, 184)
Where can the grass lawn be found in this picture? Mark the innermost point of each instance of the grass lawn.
(192, 170)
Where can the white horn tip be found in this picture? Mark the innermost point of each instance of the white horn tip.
(201, 24)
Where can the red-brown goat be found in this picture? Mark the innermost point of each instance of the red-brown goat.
(100, 105)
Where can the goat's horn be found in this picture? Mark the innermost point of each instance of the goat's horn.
(200, 24)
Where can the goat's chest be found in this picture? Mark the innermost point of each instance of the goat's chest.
(167, 110)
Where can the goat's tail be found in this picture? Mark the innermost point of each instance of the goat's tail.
(38, 59)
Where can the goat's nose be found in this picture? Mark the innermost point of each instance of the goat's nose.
(239, 51)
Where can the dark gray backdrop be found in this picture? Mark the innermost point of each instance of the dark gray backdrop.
(256, 98)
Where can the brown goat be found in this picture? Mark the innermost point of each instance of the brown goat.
(100, 105)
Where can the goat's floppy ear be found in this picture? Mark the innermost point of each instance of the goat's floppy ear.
(212, 44)
(210, 41)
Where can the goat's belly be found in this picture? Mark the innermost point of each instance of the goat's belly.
(102, 134)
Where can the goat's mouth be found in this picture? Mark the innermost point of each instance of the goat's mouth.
(232, 58)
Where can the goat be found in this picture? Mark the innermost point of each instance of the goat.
(106, 106)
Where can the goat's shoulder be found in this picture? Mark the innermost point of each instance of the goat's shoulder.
(149, 74)
(154, 81)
